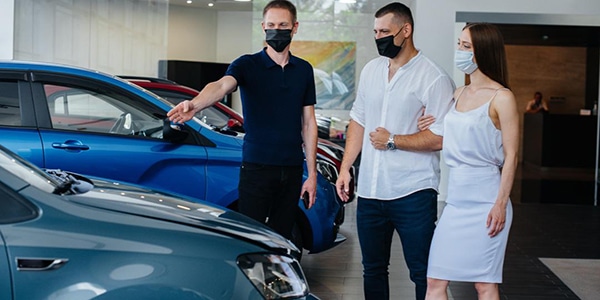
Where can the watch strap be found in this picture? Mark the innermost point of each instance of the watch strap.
(390, 144)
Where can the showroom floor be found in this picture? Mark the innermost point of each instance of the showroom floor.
(553, 253)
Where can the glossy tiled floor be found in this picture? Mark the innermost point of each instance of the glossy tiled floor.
(539, 230)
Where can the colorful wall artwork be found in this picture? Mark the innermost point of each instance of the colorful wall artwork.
(334, 65)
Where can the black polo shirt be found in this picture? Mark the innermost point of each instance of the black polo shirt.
(272, 100)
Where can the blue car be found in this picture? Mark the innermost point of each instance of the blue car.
(97, 124)
(65, 236)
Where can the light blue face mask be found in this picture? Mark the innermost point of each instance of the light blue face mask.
(464, 61)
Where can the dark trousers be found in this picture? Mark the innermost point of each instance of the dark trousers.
(270, 194)
(413, 217)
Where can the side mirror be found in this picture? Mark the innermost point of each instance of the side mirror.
(173, 132)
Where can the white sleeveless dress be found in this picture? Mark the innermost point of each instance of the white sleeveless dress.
(461, 249)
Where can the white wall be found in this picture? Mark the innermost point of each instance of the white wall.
(234, 35)
(118, 37)
(234, 32)
(197, 34)
(192, 34)
(6, 28)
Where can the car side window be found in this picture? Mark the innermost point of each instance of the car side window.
(13, 208)
(10, 111)
(83, 110)
(210, 116)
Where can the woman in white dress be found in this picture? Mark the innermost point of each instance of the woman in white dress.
(481, 133)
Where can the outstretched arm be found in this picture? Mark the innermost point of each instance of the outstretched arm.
(209, 95)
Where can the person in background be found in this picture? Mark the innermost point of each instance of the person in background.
(481, 140)
(399, 166)
(276, 88)
(537, 104)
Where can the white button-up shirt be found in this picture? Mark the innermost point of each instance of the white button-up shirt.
(397, 105)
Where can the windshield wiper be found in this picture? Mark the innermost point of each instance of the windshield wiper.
(68, 183)
(64, 186)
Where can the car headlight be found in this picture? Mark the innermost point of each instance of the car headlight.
(275, 276)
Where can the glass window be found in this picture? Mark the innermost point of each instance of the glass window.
(13, 208)
(210, 115)
(84, 110)
(10, 111)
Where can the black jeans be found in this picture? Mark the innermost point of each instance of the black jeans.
(270, 194)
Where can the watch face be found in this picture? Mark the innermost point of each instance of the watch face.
(390, 144)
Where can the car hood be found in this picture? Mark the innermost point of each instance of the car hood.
(140, 201)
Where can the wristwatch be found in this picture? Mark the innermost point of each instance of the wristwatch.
(390, 143)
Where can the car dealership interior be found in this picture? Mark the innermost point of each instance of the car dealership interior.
(552, 46)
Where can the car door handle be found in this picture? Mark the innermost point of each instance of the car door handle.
(71, 145)
(40, 264)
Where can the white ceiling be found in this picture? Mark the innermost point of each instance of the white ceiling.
(221, 5)
(232, 5)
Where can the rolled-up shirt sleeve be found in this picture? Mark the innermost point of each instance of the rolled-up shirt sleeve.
(438, 99)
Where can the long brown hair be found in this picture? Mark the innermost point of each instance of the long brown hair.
(488, 48)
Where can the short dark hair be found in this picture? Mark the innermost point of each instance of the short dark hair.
(282, 4)
(400, 11)
(488, 48)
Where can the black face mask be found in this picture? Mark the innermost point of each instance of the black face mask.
(278, 39)
(386, 47)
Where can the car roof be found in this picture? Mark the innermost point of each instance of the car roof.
(166, 84)
(21, 65)
(147, 79)
(47, 66)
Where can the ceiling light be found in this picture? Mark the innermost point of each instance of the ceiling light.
(210, 4)
(189, 1)
(242, 0)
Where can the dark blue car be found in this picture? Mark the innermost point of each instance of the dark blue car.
(97, 124)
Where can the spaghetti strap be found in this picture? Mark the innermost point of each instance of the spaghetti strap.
(496, 93)
(461, 91)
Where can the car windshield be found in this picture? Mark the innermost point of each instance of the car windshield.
(21, 168)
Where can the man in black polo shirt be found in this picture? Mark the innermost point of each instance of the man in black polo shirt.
(278, 97)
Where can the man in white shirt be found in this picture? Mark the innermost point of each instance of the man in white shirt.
(399, 167)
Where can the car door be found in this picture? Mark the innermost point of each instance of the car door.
(14, 210)
(18, 129)
(97, 129)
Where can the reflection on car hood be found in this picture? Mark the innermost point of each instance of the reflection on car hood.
(140, 201)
